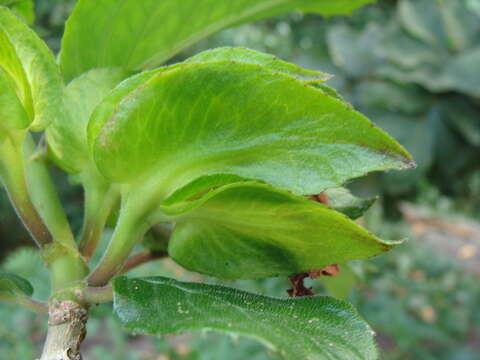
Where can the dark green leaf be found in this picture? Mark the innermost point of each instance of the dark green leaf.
(126, 33)
(313, 328)
(248, 230)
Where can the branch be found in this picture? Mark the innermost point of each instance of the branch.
(28, 303)
(141, 258)
(98, 295)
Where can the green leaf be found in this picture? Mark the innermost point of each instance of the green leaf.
(249, 230)
(343, 201)
(461, 73)
(13, 286)
(421, 18)
(303, 328)
(25, 9)
(234, 118)
(126, 33)
(32, 66)
(352, 50)
(12, 112)
(247, 56)
(67, 137)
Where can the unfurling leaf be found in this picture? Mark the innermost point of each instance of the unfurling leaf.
(140, 35)
(310, 328)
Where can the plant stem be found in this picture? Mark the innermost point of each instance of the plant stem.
(45, 197)
(140, 259)
(127, 233)
(12, 173)
(66, 331)
(97, 295)
(100, 199)
(28, 303)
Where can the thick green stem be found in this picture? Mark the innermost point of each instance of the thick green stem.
(35, 199)
(129, 230)
(45, 197)
(100, 199)
(12, 173)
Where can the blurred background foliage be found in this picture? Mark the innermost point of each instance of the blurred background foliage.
(412, 66)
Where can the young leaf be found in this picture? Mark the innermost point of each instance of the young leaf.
(313, 328)
(235, 118)
(67, 140)
(140, 43)
(13, 286)
(249, 230)
(343, 201)
(12, 112)
(32, 66)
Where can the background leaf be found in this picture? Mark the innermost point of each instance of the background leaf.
(13, 286)
(303, 328)
(140, 43)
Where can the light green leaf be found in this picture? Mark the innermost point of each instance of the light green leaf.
(247, 56)
(235, 118)
(31, 64)
(12, 112)
(310, 328)
(9, 2)
(13, 286)
(25, 9)
(249, 230)
(126, 33)
(343, 201)
(67, 137)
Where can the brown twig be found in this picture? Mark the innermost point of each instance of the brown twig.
(298, 287)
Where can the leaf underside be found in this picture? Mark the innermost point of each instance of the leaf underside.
(311, 328)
